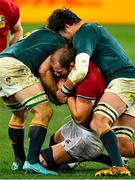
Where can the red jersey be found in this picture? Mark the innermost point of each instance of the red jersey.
(9, 15)
(92, 87)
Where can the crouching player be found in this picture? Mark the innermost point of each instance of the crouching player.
(75, 142)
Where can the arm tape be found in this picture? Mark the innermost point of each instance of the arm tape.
(81, 68)
(65, 90)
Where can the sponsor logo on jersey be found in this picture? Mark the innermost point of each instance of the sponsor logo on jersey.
(2, 21)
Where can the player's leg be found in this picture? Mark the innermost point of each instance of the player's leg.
(56, 138)
(16, 131)
(78, 145)
(109, 108)
(34, 99)
(124, 129)
(56, 156)
(112, 105)
(17, 79)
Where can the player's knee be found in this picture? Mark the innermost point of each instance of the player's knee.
(43, 112)
(99, 124)
(52, 140)
(17, 119)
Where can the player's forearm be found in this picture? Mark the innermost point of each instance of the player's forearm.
(15, 37)
(48, 81)
(80, 70)
(74, 110)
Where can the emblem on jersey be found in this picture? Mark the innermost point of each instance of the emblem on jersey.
(2, 21)
(131, 96)
(10, 82)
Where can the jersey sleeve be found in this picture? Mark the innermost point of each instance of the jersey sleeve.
(86, 39)
(92, 86)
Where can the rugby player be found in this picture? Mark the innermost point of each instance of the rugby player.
(22, 91)
(91, 40)
(10, 21)
(76, 136)
(75, 141)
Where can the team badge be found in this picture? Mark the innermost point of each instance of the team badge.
(10, 82)
(2, 21)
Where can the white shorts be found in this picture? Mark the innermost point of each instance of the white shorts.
(14, 76)
(80, 143)
(125, 89)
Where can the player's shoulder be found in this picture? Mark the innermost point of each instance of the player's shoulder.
(47, 35)
(45, 30)
(8, 4)
(91, 26)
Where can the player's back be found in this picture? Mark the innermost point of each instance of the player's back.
(33, 49)
(104, 50)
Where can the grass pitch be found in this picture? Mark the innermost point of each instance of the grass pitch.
(126, 36)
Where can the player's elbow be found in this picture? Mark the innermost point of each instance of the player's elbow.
(42, 72)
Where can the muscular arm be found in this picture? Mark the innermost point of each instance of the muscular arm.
(80, 71)
(76, 75)
(80, 109)
(47, 77)
(16, 32)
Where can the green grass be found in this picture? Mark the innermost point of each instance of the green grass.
(126, 36)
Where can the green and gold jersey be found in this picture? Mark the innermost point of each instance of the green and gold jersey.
(34, 48)
(104, 50)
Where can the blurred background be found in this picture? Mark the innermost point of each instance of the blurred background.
(118, 16)
(102, 11)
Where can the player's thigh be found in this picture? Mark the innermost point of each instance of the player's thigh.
(18, 111)
(29, 92)
(63, 132)
(60, 155)
(34, 98)
(125, 120)
(124, 128)
(58, 136)
(112, 101)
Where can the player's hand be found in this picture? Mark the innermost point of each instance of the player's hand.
(61, 97)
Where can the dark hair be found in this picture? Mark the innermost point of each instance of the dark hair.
(60, 17)
(67, 55)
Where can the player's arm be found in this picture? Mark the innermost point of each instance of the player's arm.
(16, 32)
(79, 72)
(80, 109)
(47, 76)
(75, 76)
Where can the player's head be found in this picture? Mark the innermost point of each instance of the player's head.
(63, 21)
(62, 61)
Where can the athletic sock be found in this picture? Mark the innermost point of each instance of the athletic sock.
(17, 138)
(103, 158)
(109, 140)
(37, 135)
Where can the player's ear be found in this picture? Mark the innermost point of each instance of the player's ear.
(72, 65)
(67, 26)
